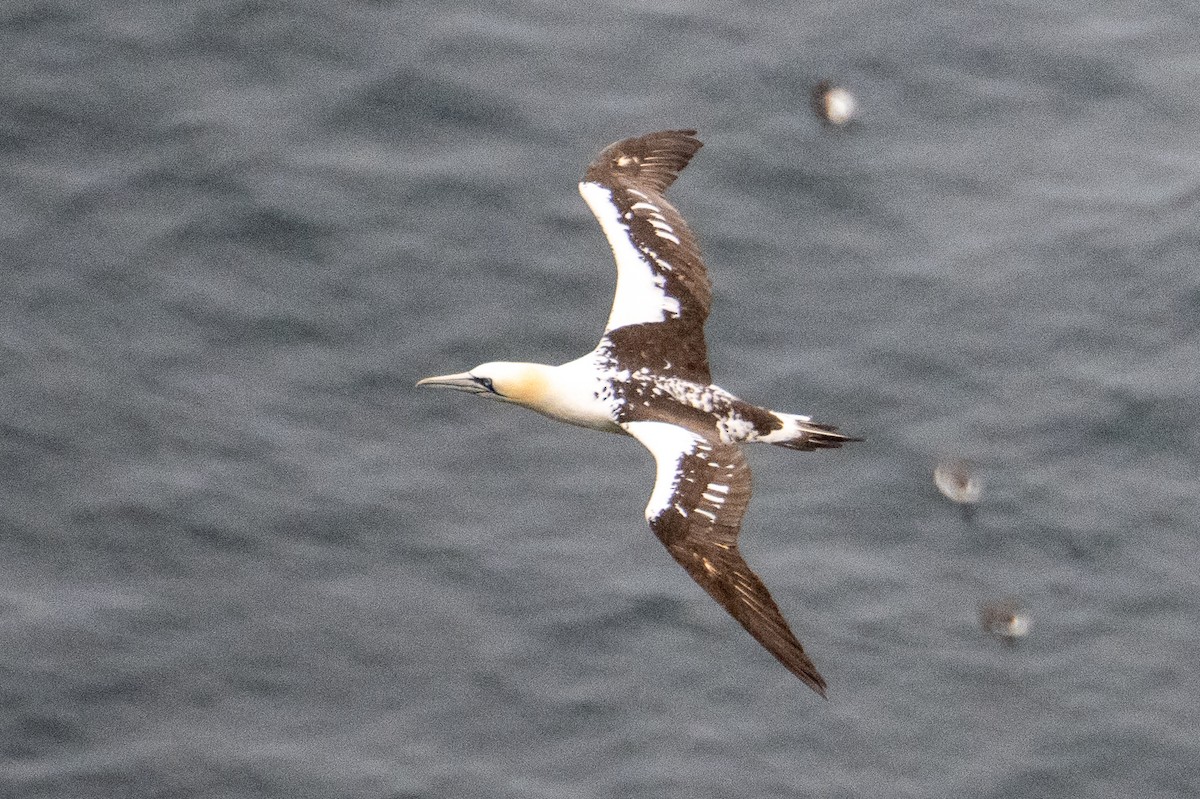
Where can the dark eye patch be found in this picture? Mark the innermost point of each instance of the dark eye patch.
(486, 382)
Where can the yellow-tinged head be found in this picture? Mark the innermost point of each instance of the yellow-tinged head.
(569, 393)
(520, 383)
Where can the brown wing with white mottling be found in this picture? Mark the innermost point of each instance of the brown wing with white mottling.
(701, 491)
(663, 292)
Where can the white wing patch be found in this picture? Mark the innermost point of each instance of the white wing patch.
(641, 292)
(669, 444)
(655, 217)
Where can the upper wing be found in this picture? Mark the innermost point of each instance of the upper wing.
(660, 277)
(701, 490)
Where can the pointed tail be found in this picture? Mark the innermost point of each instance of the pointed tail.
(801, 433)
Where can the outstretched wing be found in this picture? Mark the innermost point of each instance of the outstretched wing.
(701, 490)
(663, 293)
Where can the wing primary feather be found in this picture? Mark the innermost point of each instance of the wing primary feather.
(648, 163)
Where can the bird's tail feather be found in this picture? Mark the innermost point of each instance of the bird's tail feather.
(801, 433)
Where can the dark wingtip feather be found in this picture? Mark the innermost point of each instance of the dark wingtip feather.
(650, 162)
(812, 679)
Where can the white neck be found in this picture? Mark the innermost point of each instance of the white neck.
(567, 393)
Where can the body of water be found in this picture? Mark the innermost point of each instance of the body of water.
(242, 556)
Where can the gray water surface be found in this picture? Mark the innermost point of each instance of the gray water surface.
(242, 556)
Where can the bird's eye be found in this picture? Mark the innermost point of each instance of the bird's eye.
(486, 382)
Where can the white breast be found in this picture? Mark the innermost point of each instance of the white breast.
(577, 395)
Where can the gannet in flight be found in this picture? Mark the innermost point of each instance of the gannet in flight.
(648, 378)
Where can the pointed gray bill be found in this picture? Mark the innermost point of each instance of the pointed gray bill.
(463, 381)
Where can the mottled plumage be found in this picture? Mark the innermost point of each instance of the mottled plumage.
(649, 378)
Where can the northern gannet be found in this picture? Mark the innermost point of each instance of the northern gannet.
(648, 378)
